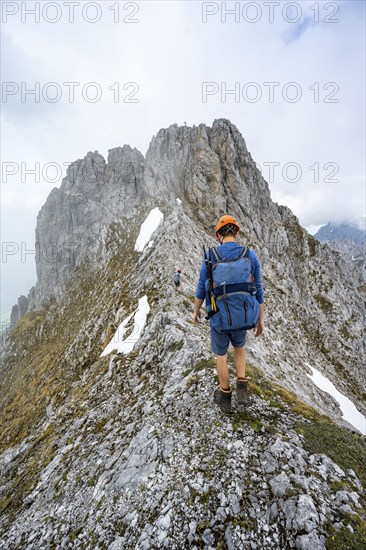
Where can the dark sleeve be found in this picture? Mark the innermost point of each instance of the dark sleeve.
(257, 272)
(201, 288)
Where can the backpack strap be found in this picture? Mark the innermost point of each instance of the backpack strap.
(244, 253)
(208, 262)
(216, 254)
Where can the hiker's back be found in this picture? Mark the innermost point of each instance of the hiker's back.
(233, 288)
(229, 250)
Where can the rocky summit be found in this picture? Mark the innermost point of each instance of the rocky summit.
(126, 448)
(348, 238)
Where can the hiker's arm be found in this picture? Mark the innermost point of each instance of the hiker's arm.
(196, 311)
(200, 293)
(201, 288)
(259, 328)
(257, 272)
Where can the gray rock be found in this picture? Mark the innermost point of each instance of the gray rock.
(269, 463)
(229, 538)
(207, 537)
(135, 442)
(343, 496)
(274, 510)
(280, 485)
(277, 448)
(234, 504)
(345, 509)
(19, 309)
(221, 513)
(300, 480)
(310, 541)
(300, 513)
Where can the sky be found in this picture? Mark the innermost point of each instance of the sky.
(289, 75)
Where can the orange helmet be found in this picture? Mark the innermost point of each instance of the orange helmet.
(225, 220)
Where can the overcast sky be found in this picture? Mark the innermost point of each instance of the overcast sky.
(296, 70)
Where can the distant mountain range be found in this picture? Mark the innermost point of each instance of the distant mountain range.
(348, 238)
(346, 231)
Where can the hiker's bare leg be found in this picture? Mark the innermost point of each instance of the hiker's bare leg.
(222, 371)
(240, 359)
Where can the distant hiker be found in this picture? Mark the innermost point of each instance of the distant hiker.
(177, 279)
(231, 281)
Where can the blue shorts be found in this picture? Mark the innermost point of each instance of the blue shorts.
(220, 340)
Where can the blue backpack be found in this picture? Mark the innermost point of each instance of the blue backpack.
(231, 301)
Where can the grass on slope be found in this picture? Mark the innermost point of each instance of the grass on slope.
(51, 348)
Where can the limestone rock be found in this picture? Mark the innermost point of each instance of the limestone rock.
(129, 450)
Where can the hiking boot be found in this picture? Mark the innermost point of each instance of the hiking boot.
(223, 400)
(242, 392)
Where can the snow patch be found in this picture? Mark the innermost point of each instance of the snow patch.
(126, 346)
(178, 201)
(349, 411)
(151, 223)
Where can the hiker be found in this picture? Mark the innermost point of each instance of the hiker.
(230, 279)
(177, 279)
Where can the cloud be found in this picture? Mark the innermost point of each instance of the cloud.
(23, 88)
(169, 54)
(298, 30)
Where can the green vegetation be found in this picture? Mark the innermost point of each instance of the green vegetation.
(38, 456)
(188, 303)
(321, 434)
(47, 360)
(312, 245)
(202, 364)
(205, 364)
(51, 353)
(345, 331)
(295, 235)
(345, 539)
(192, 380)
(278, 396)
(343, 447)
(99, 426)
(243, 417)
(92, 482)
(33, 381)
(324, 303)
(176, 346)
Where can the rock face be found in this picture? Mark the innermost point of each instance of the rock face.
(19, 309)
(209, 168)
(92, 195)
(343, 232)
(347, 238)
(130, 451)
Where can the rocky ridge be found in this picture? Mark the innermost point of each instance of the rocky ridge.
(129, 451)
(349, 239)
(346, 231)
(139, 470)
(212, 172)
